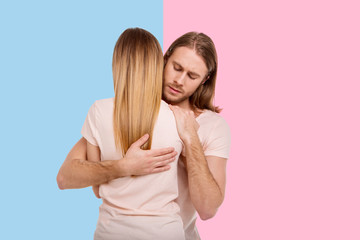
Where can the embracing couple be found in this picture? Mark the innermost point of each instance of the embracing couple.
(156, 153)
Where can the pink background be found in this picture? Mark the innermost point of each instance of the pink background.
(288, 81)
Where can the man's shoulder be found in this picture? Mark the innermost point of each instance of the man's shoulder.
(214, 134)
(211, 118)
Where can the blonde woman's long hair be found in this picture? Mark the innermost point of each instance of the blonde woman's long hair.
(137, 73)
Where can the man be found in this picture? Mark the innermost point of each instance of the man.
(189, 86)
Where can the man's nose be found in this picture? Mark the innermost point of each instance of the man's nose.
(180, 79)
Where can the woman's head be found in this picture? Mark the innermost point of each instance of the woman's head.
(137, 73)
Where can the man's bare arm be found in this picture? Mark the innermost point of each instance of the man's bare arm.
(207, 179)
(206, 175)
(93, 155)
(78, 172)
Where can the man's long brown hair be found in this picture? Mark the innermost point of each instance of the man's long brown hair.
(203, 97)
(137, 73)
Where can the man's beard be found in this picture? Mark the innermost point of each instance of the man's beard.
(174, 102)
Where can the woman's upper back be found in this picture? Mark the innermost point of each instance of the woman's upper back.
(150, 194)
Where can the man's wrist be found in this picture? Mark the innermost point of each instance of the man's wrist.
(121, 169)
(189, 138)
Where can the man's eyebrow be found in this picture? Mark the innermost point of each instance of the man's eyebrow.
(177, 63)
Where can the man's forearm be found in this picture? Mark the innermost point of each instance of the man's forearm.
(79, 173)
(205, 193)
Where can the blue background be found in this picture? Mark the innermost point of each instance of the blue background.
(55, 61)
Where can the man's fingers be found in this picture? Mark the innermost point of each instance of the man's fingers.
(164, 162)
(165, 156)
(161, 169)
(141, 141)
(161, 151)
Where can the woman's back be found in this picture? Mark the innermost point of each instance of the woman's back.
(140, 207)
(152, 194)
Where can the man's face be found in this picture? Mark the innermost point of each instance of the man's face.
(185, 70)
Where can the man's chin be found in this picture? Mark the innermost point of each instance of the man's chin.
(172, 101)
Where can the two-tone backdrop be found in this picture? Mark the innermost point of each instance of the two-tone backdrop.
(288, 83)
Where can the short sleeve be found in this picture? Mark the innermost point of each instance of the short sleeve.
(219, 140)
(89, 130)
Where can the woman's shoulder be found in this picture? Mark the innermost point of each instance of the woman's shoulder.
(165, 111)
(163, 103)
(105, 101)
(104, 105)
(164, 106)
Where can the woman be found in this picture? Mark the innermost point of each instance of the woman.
(135, 207)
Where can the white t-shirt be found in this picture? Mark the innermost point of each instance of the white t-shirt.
(214, 135)
(152, 194)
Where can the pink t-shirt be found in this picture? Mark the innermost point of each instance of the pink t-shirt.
(214, 135)
(152, 194)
